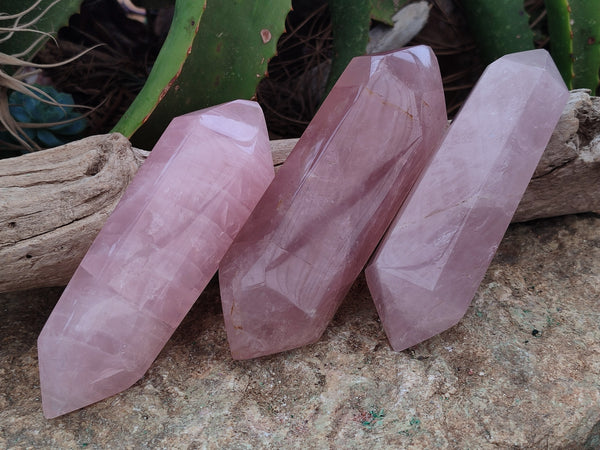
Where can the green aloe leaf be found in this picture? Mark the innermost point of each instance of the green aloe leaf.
(586, 43)
(561, 37)
(350, 21)
(499, 27)
(48, 16)
(384, 10)
(167, 67)
(574, 27)
(229, 56)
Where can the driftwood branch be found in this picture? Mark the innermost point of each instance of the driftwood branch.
(567, 178)
(53, 203)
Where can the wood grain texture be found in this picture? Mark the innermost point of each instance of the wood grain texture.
(567, 178)
(53, 203)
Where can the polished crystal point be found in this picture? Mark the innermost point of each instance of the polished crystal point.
(329, 205)
(155, 254)
(431, 261)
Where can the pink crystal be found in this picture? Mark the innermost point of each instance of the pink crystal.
(321, 218)
(431, 261)
(154, 256)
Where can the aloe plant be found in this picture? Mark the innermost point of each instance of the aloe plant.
(350, 26)
(350, 22)
(574, 28)
(167, 67)
(226, 59)
(502, 27)
(559, 27)
(499, 27)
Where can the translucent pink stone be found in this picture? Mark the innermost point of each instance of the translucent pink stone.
(329, 205)
(431, 261)
(154, 256)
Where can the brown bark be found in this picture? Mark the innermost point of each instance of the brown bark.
(53, 203)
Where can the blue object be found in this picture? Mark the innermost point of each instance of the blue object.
(26, 109)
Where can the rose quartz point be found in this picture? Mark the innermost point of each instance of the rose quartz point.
(434, 256)
(155, 254)
(329, 205)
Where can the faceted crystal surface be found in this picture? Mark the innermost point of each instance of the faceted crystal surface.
(329, 205)
(155, 254)
(432, 259)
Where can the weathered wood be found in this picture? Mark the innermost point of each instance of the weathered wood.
(567, 179)
(280, 150)
(53, 203)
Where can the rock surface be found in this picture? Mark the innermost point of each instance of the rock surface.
(486, 383)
